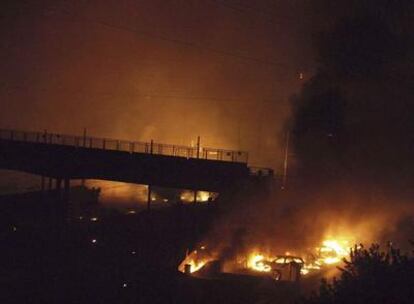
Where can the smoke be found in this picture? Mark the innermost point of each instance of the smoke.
(351, 126)
(163, 70)
(351, 172)
(174, 70)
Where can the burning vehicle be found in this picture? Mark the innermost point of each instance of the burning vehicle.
(205, 262)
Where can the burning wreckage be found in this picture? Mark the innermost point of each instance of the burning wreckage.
(206, 262)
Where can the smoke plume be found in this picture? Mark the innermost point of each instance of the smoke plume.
(351, 126)
(351, 171)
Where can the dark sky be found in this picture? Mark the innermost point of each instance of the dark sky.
(353, 120)
(164, 70)
(227, 70)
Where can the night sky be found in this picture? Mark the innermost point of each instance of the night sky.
(162, 70)
(336, 75)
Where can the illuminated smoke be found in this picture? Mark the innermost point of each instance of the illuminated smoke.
(118, 70)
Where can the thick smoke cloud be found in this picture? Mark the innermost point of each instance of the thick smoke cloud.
(351, 170)
(352, 129)
(352, 119)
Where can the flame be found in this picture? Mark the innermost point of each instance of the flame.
(196, 259)
(307, 268)
(332, 252)
(194, 265)
(257, 262)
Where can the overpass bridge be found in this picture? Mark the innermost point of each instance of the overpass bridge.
(65, 157)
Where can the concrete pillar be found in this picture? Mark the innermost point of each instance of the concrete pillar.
(58, 183)
(66, 188)
(42, 183)
(65, 199)
(50, 184)
(195, 197)
(59, 187)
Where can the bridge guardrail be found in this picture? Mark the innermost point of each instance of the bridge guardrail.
(126, 146)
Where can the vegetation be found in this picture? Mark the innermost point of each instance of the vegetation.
(370, 276)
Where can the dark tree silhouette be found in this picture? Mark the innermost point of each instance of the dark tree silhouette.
(370, 276)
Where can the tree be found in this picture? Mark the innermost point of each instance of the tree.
(370, 276)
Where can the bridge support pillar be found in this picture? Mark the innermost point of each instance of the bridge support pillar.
(42, 183)
(149, 197)
(195, 197)
(66, 188)
(50, 184)
(59, 187)
(65, 199)
(58, 183)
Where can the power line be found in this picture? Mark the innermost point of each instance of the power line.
(172, 96)
(249, 9)
(239, 7)
(191, 44)
(188, 44)
(233, 7)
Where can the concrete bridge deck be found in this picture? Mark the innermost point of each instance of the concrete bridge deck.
(80, 157)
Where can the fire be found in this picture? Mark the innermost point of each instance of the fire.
(257, 262)
(331, 251)
(195, 260)
(307, 268)
(194, 265)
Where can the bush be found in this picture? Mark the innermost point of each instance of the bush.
(370, 276)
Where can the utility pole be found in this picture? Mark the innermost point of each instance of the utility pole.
(84, 144)
(238, 134)
(198, 146)
(198, 156)
(84, 137)
(285, 162)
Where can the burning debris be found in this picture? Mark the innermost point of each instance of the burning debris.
(194, 261)
(287, 267)
(332, 252)
(282, 267)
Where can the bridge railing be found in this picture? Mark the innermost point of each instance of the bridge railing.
(126, 146)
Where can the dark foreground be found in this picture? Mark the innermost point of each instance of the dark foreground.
(118, 258)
